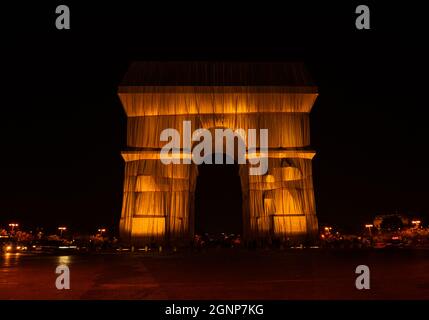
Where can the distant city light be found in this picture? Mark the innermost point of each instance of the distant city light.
(369, 225)
(416, 223)
(61, 230)
(13, 225)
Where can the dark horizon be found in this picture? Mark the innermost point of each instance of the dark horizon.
(64, 127)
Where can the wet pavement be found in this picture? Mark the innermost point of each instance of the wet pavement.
(219, 274)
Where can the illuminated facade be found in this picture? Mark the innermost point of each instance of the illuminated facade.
(158, 201)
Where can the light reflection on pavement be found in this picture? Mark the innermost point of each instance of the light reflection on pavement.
(218, 274)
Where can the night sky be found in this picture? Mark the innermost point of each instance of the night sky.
(63, 127)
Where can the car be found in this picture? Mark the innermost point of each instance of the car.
(13, 247)
(395, 242)
(52, 246)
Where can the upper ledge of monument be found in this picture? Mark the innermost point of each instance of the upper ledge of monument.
(211, 73)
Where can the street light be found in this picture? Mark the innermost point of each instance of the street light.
(102, 230)
(13, 225)
(369, 226)
(416, 223)
(61, 230)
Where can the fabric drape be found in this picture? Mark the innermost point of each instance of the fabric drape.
(158, 200)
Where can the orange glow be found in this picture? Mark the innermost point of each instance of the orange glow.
(295, 225)
(148, 226)
(155, 101)
(269, 178)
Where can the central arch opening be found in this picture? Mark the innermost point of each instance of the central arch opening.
(218, 199)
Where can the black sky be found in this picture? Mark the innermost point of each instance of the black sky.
(63, 127)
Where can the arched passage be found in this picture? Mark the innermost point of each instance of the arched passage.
(218, 199)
